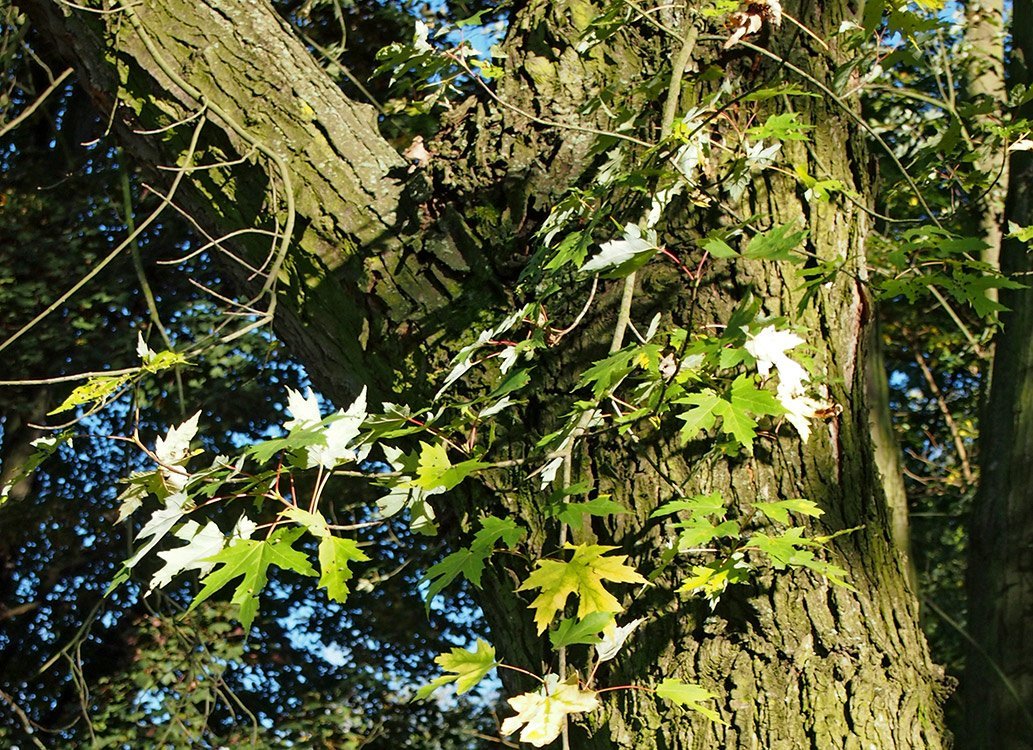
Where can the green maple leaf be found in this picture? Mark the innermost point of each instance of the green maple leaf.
(701, 417)
(251, 559)
(334, 555)
(467, 667)
(688, 695)
(779, 511)
(469, 561)
(746, 396)
(583, 576)
(584, 631)
(436, 471)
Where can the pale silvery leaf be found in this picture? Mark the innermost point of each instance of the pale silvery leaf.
(244, 528)
(555, 223)
(160, 524)
(202, 543)
(660, 202)
(654, 324)
(616, 252)
(549, 471)
(800, 409)
(419, 39)
(132, 498)
(145, 353)
(543, 712)
(769, 347)
(172, 451)
(464, 359)
(1023, 144)
(304, 409)
(498, 406)
(758, 157)
(508, 358)
(613, 642)
(339, 434)
(611, 168)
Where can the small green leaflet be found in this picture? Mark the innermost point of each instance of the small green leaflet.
(251, 559)
(94, 391)
(782, 127)
(583, 576)
(469, 561)
(334, 555)
(435, 471)
(701, 416)
(298, 439)
(699, 530)
(572, 513)
(689, 696)
(711, 580)
(779, 511)
(314, 523)
(467, 667)
(572, 632)
(789, 549)
(705, 505)
(776, 244)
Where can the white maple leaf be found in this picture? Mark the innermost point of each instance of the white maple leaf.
(800, 409)
(613, 640)
(616, 252)
(202, 543)
(145, 353)
(173, 450)
(543, 712)
(420, 37)
(244, 528)
(304, 409)
(758, 157)
(339, 435)
(160, 524)
(769, 347)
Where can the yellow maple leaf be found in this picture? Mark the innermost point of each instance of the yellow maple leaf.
(583, 576)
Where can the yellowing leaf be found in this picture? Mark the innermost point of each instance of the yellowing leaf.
(583, 576)
(690, 696)
(334, 555)
(467, 667)
(543, 712)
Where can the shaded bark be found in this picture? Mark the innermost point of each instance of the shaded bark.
(999, 664)
(386, 273)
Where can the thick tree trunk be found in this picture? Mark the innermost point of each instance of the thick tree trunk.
(378, 277)
(999, 666)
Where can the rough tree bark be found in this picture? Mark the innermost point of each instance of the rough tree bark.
(386, 273)
(999, 666)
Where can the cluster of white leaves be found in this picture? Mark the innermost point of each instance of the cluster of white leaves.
(160, 524)
(404, 494)
(339, 435)
(172, 452)
(617, 252)
(769, 348)
(202, 543)
(464, 360)
(543, 712)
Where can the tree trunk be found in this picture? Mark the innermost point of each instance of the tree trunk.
(999, 666)
(387, 272)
